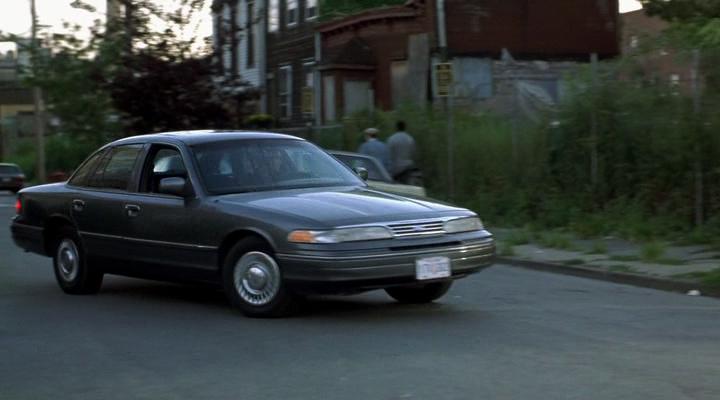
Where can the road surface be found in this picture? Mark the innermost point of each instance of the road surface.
(505, 333)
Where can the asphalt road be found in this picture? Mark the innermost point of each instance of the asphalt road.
(503, 334)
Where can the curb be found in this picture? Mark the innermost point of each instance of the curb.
(670, 285)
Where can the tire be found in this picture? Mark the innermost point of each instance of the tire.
(253, 281)
(73, 272)
(419, 294)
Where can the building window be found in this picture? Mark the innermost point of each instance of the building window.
(674, 80)
(250, 36)
(291, 12)
(311, 9)
(273, 15)
(284, 82)
(308, 90)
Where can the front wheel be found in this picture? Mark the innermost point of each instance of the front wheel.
(253, 281)
(72, 271)
(419, 294)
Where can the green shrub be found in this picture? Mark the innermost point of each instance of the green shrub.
(652, 251)
(555, 240)
(518, 237)
(598, 247)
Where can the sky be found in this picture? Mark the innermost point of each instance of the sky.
(15, 15)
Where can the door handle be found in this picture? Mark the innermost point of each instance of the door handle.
(132, 210)
(78, 205)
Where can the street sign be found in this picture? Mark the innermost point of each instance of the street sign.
(308, 100)
(443, 79)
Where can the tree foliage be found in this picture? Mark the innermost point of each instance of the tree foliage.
(131, 78)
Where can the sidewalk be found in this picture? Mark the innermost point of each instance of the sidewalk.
(657, 265)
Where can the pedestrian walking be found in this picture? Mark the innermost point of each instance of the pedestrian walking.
(402, 154)
(375, 148)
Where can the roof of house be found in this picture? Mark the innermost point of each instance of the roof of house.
(410, 9)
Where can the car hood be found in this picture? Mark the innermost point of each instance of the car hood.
(342, 206)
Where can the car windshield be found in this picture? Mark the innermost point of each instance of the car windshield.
(9, 169)
(268, 164)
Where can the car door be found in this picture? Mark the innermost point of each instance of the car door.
(163, 231)
(98, 205)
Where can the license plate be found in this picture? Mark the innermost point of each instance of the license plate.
(432, 268)
(5, 180)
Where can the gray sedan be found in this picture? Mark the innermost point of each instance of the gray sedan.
(269, 217)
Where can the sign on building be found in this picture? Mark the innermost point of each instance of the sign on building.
(308, 100)
(443, 79)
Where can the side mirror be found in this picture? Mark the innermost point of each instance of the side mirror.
(361, 172)
(174, 186)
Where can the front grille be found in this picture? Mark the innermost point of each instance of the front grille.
(418, 228)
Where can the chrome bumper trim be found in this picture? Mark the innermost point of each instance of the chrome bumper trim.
(487, 245)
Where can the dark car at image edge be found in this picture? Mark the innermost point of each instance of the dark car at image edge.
(270, 218)
(11, 177)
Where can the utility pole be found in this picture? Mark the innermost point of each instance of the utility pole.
(447, 101)
(594, 163)
(39, 120)
(697, 163)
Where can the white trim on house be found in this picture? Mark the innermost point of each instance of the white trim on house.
(253, 74)
(285, 97)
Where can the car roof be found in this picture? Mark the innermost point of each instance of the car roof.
(8, 165)
(202, 136)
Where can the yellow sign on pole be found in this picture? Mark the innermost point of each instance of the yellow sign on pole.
(443, 79)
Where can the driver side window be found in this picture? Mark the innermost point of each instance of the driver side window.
(164, 162)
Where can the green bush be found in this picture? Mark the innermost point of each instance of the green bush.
(652, 251)
(62, 153)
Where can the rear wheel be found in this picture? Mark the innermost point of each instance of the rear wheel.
(419, 294)
(253, 281)
(72, 271)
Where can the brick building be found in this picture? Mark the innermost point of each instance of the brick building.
(640, 39)
(316, 73)
(499, 49)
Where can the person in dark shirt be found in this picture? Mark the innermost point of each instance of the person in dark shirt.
(402, 154)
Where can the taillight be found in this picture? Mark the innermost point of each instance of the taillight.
(18, 206)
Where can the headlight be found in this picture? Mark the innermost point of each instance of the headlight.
(340, 235)
(463, 225)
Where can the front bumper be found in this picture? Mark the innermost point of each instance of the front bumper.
(338, 272)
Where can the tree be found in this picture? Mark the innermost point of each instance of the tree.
(131, 78)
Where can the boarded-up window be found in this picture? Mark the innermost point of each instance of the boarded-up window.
(329, 98)
(357, 96)
(399, 72)
(308, 90)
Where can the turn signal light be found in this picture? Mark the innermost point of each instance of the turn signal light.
(301, 237)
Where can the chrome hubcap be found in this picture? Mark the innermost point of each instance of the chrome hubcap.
(68, 260)
(257, 278)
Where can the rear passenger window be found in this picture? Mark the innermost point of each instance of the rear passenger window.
(116, 169)
(79, 178)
